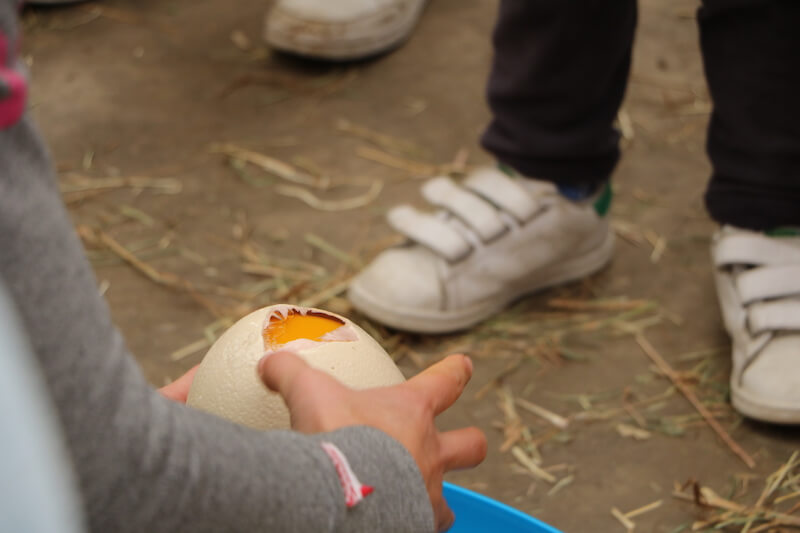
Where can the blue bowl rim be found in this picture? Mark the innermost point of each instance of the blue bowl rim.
(485, 500)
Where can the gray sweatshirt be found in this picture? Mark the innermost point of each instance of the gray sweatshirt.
(144, 463)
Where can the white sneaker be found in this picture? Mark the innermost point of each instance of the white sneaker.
(494, 240)
(341, 29)
(758, 282)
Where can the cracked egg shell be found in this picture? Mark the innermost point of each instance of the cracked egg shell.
(227, 383)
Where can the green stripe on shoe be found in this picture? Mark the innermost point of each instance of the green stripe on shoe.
(507, 170)
(603, 202)
(786, 231)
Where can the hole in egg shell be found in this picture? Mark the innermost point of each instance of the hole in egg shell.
(300, 327)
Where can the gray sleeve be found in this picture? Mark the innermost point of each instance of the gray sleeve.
(145, 463)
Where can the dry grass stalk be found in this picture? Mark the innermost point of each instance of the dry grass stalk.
(498, 378)
(628, 232)
(548, 352)
(77, 198)
(137, 214)
(775, 480)
(307, 164)
(563, 482)
(459, 163)
(673, 317)
(624, 520)
(161, 278)
(275, 272)
(415, 168)
(702, 353)
(512, 426)
(650, 236)
(324, 246)
(190, 349)
(526, 461)
(658, 250)
(787, 497)
(240, 40)
(644, 509)
(313, 201)
(417, 358)
(733, 513)
(549, 416)
(637, 326)
(253, 253)
(626, 316)
(387, 142)
(630, 408)
(658, 243)
(769, 526)
(597, 305)
(625, 125)
(628, 431)
(668, 371)
(269, 164)
(103, 286)
(318, 299)
(210, 335)
(287, 293)
(76, 183)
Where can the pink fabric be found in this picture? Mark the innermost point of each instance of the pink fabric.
(354, 490)
(13, 87)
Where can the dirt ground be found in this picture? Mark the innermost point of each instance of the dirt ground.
(144, 89)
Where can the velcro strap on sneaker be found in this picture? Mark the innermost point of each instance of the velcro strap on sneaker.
(503, 192)
(475, 212)
(781, 315)
(430, 231)
(754, 249)
(769, 283)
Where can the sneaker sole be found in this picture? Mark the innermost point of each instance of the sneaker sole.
(751, 407)
(428, 321)
(282, 34)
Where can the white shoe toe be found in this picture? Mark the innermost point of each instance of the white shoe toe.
(404, 278)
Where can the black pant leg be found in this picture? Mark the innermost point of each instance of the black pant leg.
(558, 77)
(751, 51)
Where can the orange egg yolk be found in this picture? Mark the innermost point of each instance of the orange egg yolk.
(296, 326)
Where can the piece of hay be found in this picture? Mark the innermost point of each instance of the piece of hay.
(668, 371)
(310, 199)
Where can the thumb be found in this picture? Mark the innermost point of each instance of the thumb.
(280, 370)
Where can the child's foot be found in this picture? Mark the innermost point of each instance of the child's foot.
(341, 29)
(758, 283)
(495, 239)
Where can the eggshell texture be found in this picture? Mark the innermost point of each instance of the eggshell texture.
(227, 383)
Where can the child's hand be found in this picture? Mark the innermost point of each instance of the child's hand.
(178, 390)
(319, 403)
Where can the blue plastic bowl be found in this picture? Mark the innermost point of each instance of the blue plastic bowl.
(475, 513)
